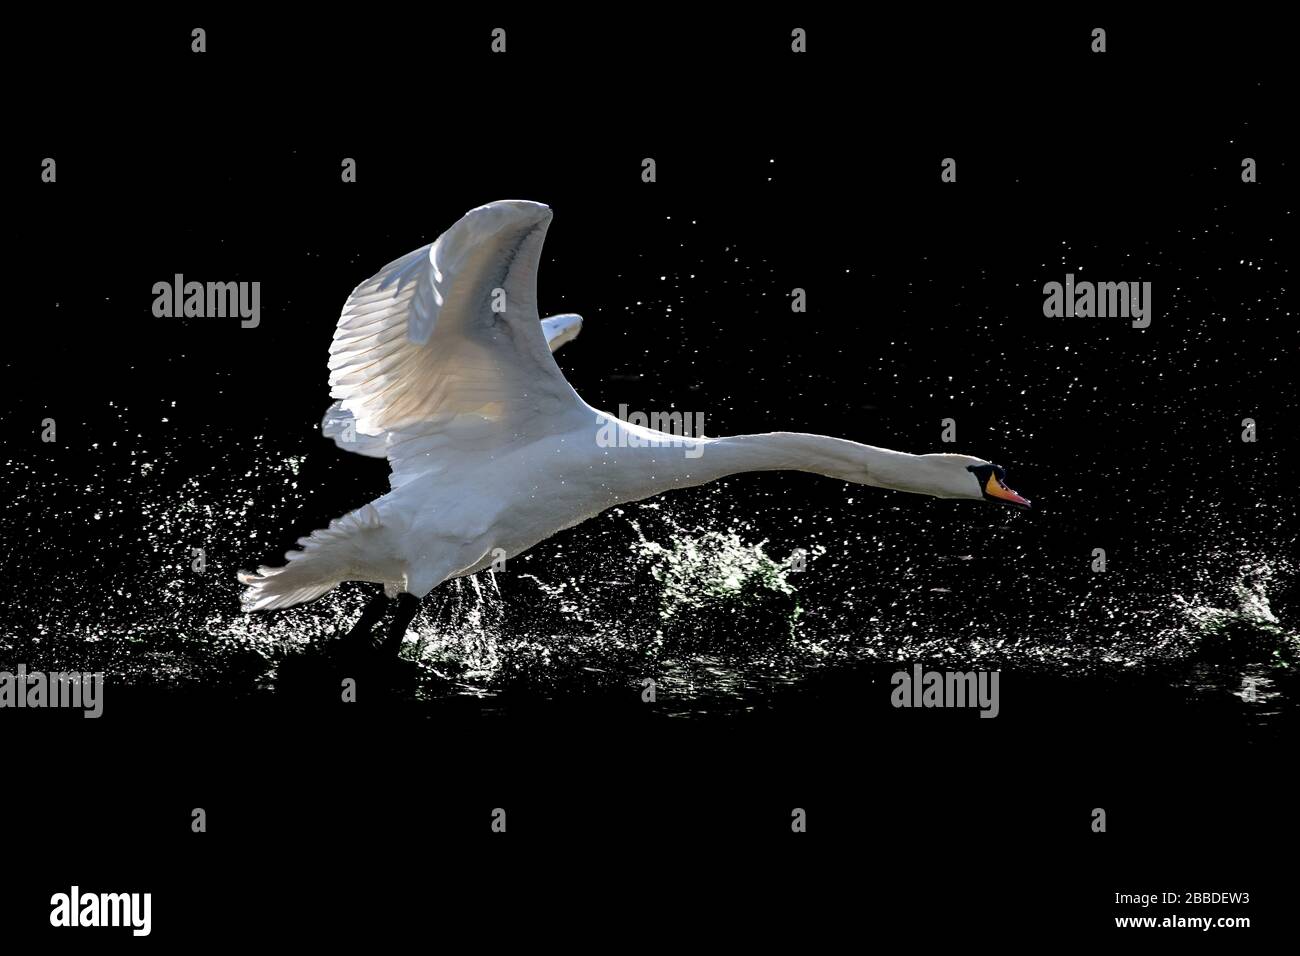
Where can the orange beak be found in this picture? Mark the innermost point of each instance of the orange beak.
(996, 489)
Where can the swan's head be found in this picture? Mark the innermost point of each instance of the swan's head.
(992, 482)
(946, 476)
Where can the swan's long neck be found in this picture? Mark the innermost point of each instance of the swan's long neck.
(694, 462)
(818, 454)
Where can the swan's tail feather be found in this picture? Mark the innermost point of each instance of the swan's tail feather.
(326, 559)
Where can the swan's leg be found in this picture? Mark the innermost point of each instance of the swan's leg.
(407, 605)
(359, 636)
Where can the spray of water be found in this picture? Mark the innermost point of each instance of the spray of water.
(682, 590)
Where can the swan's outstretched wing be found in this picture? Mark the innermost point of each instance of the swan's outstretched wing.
(442, 350)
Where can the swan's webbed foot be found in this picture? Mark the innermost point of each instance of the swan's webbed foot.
(360, 656)
(407, 605)
(359, 644)
(360, 639)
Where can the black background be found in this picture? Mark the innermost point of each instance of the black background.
(822, 172)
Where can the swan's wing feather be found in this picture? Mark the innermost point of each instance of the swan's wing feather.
(443, 347)
(560, 329)
(341, 426)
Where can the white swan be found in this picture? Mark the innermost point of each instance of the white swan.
(440, 363)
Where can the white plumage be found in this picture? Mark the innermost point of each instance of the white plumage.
(441, 364)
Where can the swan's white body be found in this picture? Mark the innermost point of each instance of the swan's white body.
(441, 364)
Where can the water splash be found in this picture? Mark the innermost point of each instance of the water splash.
(687, 590)
(700, 567)
(1249, 627)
